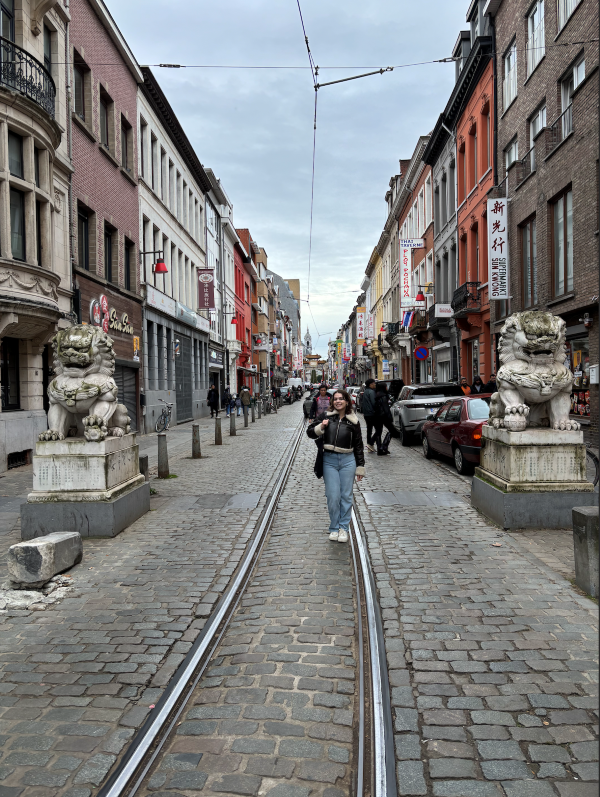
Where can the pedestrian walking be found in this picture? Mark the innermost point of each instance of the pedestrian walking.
(368, 410)
(213, 401)
(464, 386)
(320, 404)
(341, 457)
(383, 419)
(491, 386)
(227, 400)
(238, 403)
(478, 386)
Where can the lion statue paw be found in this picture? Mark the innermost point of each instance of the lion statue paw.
(515, 419)
(51, 434)
(567, 425)
(116, 431)
(94, 428)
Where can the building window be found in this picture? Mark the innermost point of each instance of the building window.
(7, 19)
(153, 144)
(562, 243)
(536, 45)
(565, 9)
(38, 232)
(575, 76)
(15, 154)
(126, 145)
(79, 75)
(83, 239)
(108, 253)
(129, 260)
(9, 374)
(17, 224)
(105, 114)
(511, 153)
(427, 202)
(48, 48)
(143, 132)
(536, 124)
(529, 263)
(36, 166)
(509, 86)
(163, 175)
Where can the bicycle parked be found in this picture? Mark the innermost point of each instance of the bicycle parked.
(162, 424)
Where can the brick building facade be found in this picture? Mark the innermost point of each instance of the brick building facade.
(548, 168)
(105, 210)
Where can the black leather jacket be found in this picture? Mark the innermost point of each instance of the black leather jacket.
(340, 436)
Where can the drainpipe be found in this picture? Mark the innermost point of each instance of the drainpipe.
(69, 126)
(495, 78)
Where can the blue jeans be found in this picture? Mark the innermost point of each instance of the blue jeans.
(339, 471)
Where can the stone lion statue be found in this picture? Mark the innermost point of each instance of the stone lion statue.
(534, 385)
(83, 395)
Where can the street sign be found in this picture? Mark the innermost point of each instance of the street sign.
(443, 311)
(412, 243)
(421, 353)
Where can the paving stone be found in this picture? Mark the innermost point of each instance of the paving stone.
(585, 751)
(465, 788)
(586, 771)
(188, 780)
(449, 749)
(238, 784)
(407, 746)
(548, 752)
(300, 749)
(320, 771)
(95, 769)
(288, 790)
(500, 750)
(528, 789)
(506, 770)
(452, 768)
(577, 789)
(270, 767)
(551, 771)
(411, 781)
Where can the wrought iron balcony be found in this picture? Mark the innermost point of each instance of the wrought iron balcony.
(433, 321)
(466, 299)
(393, 327)
(20, 71)
(419, 321)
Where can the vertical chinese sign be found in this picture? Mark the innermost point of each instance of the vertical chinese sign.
(360, 326)
(497, 221)
(406, 293)
(206, 289)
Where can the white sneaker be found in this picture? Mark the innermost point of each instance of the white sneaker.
(370, 448)
(333, 536)
(342, 535)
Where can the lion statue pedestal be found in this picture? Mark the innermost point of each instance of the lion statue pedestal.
(533, 463)
(86, 473)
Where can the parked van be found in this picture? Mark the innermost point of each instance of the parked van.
(295, 382)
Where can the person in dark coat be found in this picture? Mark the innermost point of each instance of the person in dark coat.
(491, 386)
(478, 386)
(383, 418)
(368, 411)
(320, 403)
(227, 400)
(213, 401)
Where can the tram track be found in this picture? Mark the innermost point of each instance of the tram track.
(374, 774)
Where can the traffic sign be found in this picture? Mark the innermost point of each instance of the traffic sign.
(421, 353)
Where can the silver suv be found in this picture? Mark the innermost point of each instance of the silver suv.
(415, 403)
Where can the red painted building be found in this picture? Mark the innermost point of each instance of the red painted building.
(105, 207)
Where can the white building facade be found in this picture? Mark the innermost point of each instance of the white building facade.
(172, 188)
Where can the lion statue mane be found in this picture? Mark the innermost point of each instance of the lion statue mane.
(83, 394)
(534, 384)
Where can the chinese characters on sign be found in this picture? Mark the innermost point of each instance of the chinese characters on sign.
(360, 325)
(206, 289)
(406, 297)
(370, 326)
(497, 221)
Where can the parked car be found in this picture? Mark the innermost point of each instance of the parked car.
(455, 430)
(308, 402)
(353, 391)
(415, 403)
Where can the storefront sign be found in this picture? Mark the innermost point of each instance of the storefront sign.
(160, 301)
(370, 326)
(120, 324)
(206, 289)
(406, 296)
(360, 325)
(136, 348)
(497, 222)
(215, 358)
(103, 316)
(412, 243)
(385, 366)
(443, 311)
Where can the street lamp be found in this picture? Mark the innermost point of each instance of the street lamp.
(160, 267)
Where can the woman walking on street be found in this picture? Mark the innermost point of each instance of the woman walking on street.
(383, 418)
(343, 459)
(213, 401)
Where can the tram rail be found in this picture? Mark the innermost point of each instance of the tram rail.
(375, 761)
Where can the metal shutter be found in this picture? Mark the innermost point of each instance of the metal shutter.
(183, 379)
(125, 379)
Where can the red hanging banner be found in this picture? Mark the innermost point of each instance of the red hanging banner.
(206, 289)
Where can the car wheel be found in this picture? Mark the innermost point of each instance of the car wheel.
(405, 437)
(427, 452)
(462, 466)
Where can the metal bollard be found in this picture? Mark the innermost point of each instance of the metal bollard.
(163, 457)
(218, 437)
(232, 424)
(245, 416)
(259, 403)
(144, 467)
(196, 453)
(252, 413)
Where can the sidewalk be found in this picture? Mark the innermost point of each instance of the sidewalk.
(493, 655)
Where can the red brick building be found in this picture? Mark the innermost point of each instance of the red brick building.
(243, 302)
(547, 154)
(105, 208)
(475, 148)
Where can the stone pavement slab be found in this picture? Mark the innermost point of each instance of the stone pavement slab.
(493, 655)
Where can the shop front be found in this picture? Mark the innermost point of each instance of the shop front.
(121, 318)
(216, 369)
(582, 359)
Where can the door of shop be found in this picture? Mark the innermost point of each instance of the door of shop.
(183, 379)
(127, 395)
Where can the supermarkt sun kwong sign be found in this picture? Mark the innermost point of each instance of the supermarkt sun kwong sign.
(497, 222)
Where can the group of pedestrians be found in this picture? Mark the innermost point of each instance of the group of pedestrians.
(377, 415)
(232, 402)
(478, 386)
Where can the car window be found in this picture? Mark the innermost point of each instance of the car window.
(454, 412)
(405, 394)
(478, 409)
(441, 413)
(438, 391)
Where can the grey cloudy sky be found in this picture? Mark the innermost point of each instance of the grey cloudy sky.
(254, 127)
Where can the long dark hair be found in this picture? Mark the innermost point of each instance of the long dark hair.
(346, 396)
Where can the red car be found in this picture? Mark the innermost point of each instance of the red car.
(455, 430)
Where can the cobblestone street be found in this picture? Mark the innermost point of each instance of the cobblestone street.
(492, 654)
